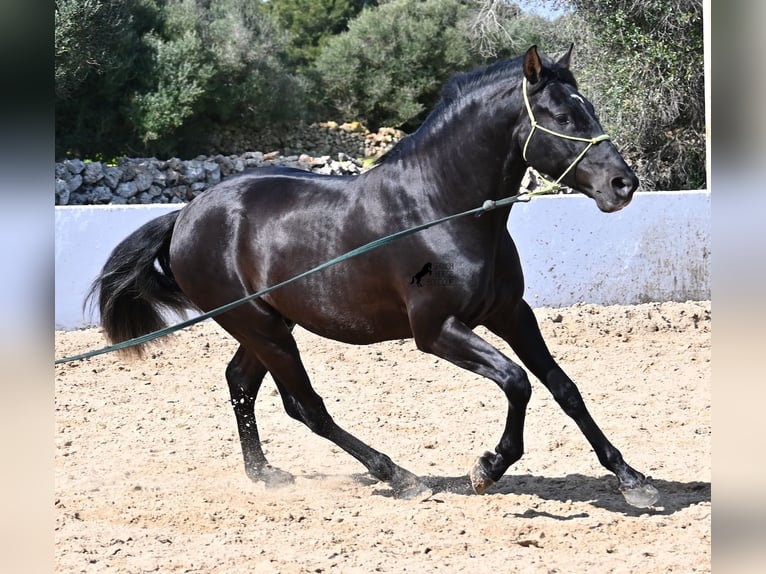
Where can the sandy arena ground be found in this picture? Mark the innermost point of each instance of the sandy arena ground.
(149, 476)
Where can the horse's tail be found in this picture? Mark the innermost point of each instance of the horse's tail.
(136, 285)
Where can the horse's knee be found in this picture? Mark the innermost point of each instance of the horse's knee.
(566, 394)
(516, 385)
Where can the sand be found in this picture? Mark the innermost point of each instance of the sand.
(149, 476)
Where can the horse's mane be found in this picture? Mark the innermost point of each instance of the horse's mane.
(454, 93)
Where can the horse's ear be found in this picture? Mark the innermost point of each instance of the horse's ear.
(532, 65)
(566, 59)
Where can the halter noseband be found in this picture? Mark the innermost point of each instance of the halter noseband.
(590, 141)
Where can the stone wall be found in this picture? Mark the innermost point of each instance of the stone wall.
(328, 148)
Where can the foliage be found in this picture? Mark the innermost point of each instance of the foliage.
(388, 68)
(182, 78)
(99, 58)
(216, 62)
(643, 68)
(168, 77)
(182, 68)
(311, 22)
(86, 32)
(500, 29)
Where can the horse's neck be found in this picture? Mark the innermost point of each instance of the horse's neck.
(471, 160)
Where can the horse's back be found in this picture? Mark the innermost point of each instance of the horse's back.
(263, 227)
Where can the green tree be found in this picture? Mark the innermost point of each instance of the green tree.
(388, 68)
(168, 75)
(392, 60)
(100, 59)
(311, 22)
(217, 64)
(84, 30)
(642, 64)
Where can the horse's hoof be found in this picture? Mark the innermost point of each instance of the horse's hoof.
(642, 496)
(417, 491)
(271, 477)
(407, 486)
(479, 475)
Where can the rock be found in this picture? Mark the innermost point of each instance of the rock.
(159, 177)
(143, 180)
(112, 177)
(256, 155)
(100, 194)
(322, 148)
(74, 183)
(171, 177)
(93, 172)
(353, 127)
(175, 163)
(127, 170)
(180, 192)
(127, 189)
(61, 171)
(193, 172)
(62, 192)
(226, 165)
(197, 188)
(75, 166)
(154, 191)
(78, 198)
(212, 172)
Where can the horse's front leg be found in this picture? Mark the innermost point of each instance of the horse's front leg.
(457, 343)
(522, 332)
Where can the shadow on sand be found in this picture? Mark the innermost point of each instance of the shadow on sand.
(601, 492)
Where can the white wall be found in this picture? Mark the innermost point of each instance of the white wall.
(84, 238)
(656, 249)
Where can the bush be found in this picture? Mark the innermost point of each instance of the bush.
(392, 61)
(388, 68)
(642, 65)
(218, 63)
(173, 73)
(100, 59)
(311, 22)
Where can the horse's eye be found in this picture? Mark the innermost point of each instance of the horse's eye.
(562, 119)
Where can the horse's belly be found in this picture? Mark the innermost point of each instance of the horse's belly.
(345, 318)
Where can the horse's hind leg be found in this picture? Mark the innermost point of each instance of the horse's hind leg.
(244, 376)
(522, 332)
(268, 337)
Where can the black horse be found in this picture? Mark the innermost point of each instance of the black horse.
(259, 228)
(417, 278)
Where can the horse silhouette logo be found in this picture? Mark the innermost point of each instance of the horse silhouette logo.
(426, 270)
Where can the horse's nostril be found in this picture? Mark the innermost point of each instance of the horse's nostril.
(624, 186)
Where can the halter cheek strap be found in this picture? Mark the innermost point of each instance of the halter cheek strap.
(536, 126)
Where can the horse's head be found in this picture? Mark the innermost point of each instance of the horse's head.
(563, 138)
